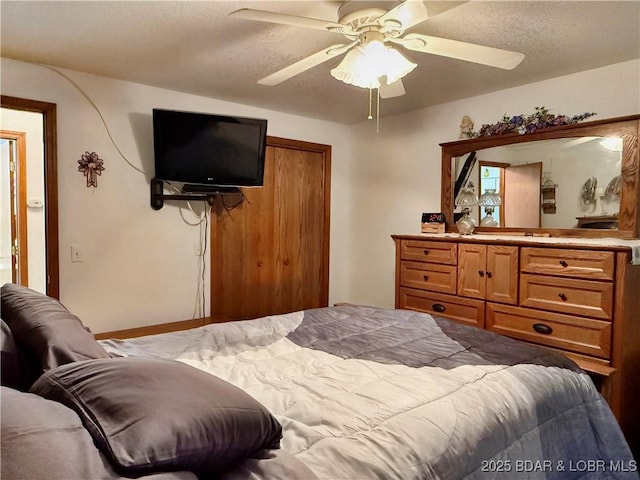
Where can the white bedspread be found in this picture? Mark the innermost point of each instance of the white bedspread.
(351, 410)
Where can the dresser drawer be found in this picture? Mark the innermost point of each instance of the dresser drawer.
(587, 264)
(425, 251)
(463, 310)
(565, 295)
(429, 276)
(580, 335)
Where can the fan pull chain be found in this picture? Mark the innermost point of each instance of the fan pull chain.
(378, 111)
(370, 117)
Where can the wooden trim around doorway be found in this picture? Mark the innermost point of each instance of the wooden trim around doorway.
(48, 111)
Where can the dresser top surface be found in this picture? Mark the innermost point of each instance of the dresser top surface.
(616, 244)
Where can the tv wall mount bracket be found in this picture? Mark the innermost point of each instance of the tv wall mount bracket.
(189, 192)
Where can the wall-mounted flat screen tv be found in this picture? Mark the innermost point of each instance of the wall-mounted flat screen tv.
(208, 149)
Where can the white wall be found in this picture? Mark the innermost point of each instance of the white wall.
(396, 172)
(139, 265)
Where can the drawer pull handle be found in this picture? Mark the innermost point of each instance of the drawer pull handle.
(563, 263)
(542, 328)
(562, 296)
(481, 273)
(489, 275)
(426, 277)
(438, 307)
(426, 252)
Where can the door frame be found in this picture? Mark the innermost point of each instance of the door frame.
(48, 111)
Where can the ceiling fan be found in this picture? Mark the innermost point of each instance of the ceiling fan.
(366, 23)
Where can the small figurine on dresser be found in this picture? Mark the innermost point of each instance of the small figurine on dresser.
(466, 127)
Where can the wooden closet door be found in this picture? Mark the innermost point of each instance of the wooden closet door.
(270, 255)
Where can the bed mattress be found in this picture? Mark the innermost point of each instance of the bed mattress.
(365, 392)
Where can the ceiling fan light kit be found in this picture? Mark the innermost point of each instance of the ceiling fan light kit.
(365, 65)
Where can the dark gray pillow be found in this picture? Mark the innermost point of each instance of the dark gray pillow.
(45, 331)
(11, 369)
(149, 414)
(43, 439)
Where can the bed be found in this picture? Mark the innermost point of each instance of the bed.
(344, 392)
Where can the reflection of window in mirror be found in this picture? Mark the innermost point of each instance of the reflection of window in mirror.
(491, 177)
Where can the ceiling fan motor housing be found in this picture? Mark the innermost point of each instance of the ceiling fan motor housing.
(371, 36)
(361, 14)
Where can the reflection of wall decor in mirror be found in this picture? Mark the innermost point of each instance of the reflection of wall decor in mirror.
(466, 199)
(614, 187)
(577, 154)
(548, 190)
(610, 201)
(588, 194)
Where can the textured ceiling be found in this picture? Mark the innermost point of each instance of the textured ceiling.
(194, 47)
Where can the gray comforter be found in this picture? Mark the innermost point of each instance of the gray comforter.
(366, 393)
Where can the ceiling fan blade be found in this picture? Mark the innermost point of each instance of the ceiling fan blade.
(436, 7)
(405, 15)
(284, 19)
(413, 12)
(390, 90)
(305, 64)
(493, 57)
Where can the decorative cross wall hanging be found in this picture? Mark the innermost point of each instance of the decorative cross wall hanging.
(91, 165)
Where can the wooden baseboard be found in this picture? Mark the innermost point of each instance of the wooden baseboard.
(160, 328)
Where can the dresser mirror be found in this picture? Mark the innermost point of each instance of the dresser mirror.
(572, 180)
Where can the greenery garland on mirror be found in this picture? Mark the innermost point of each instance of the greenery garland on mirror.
(524, 124)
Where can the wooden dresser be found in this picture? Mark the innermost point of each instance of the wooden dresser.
(578, 296)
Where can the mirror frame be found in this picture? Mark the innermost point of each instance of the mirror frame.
(626, 127)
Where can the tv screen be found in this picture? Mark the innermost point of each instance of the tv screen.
(207, 149)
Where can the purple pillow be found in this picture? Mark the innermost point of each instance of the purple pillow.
(150, 414)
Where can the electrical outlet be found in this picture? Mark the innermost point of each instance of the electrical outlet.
(76, 254)
(197, 249)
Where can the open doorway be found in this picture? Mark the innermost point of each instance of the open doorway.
(14, 263)
(45, 194)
